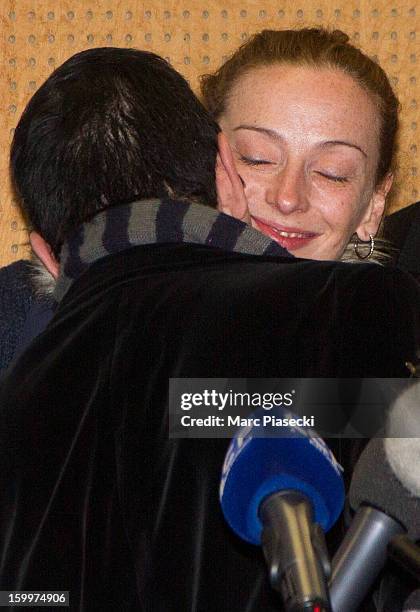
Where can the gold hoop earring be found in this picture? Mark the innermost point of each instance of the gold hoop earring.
(370, 242)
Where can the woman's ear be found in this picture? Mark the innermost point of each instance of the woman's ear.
(43, 251)
(373, 216)
(231, 198)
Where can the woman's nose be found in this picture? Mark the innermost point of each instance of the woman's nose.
(287, 191)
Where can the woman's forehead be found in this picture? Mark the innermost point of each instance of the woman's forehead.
(305, 101)
(273, 87)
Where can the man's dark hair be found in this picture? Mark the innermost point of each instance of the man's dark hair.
(110, 126)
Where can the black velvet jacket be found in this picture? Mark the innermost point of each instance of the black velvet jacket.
(94, 497)
(403, 230)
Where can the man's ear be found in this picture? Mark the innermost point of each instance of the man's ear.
(43, 251)
(230, 188)
(375, 210)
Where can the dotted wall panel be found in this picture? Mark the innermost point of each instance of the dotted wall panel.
(195, 35)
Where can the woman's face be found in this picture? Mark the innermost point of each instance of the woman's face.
(305, 143)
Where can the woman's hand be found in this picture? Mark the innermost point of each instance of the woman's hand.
(231, 198)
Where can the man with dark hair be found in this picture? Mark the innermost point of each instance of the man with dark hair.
(102, 145)
(114, 159)
(84, 166)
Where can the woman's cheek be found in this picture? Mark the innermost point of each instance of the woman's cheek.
(339, 215)
(331, 191)
(335, 203)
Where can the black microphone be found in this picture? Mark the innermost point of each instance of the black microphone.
(384, 509)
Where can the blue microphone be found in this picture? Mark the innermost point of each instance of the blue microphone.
(283, 492)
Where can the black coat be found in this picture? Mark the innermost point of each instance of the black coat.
(94, 497)
(402, 229)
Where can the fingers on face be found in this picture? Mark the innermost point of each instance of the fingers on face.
(224, 188)
(231, 192)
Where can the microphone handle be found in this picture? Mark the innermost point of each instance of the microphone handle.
(360, 557)
(288, 544)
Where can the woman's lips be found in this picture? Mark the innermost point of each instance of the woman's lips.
(291, 238)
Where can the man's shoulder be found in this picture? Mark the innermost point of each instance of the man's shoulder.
(205, 281)
(209, 281)
(199, 262)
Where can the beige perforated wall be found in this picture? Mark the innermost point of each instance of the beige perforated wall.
(195, 35)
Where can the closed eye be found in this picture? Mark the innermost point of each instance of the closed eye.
(333, 177)
(249, 161)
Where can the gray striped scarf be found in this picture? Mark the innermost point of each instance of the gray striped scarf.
(156, 221)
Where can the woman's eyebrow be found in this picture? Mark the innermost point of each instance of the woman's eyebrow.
(254, 128)
(345, 143)
(275, 136)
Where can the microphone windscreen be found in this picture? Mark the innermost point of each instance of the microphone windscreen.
(402, 446)
(403, 456)
(256, 467)
(374, 483)
(403, 419)
(412, 604)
